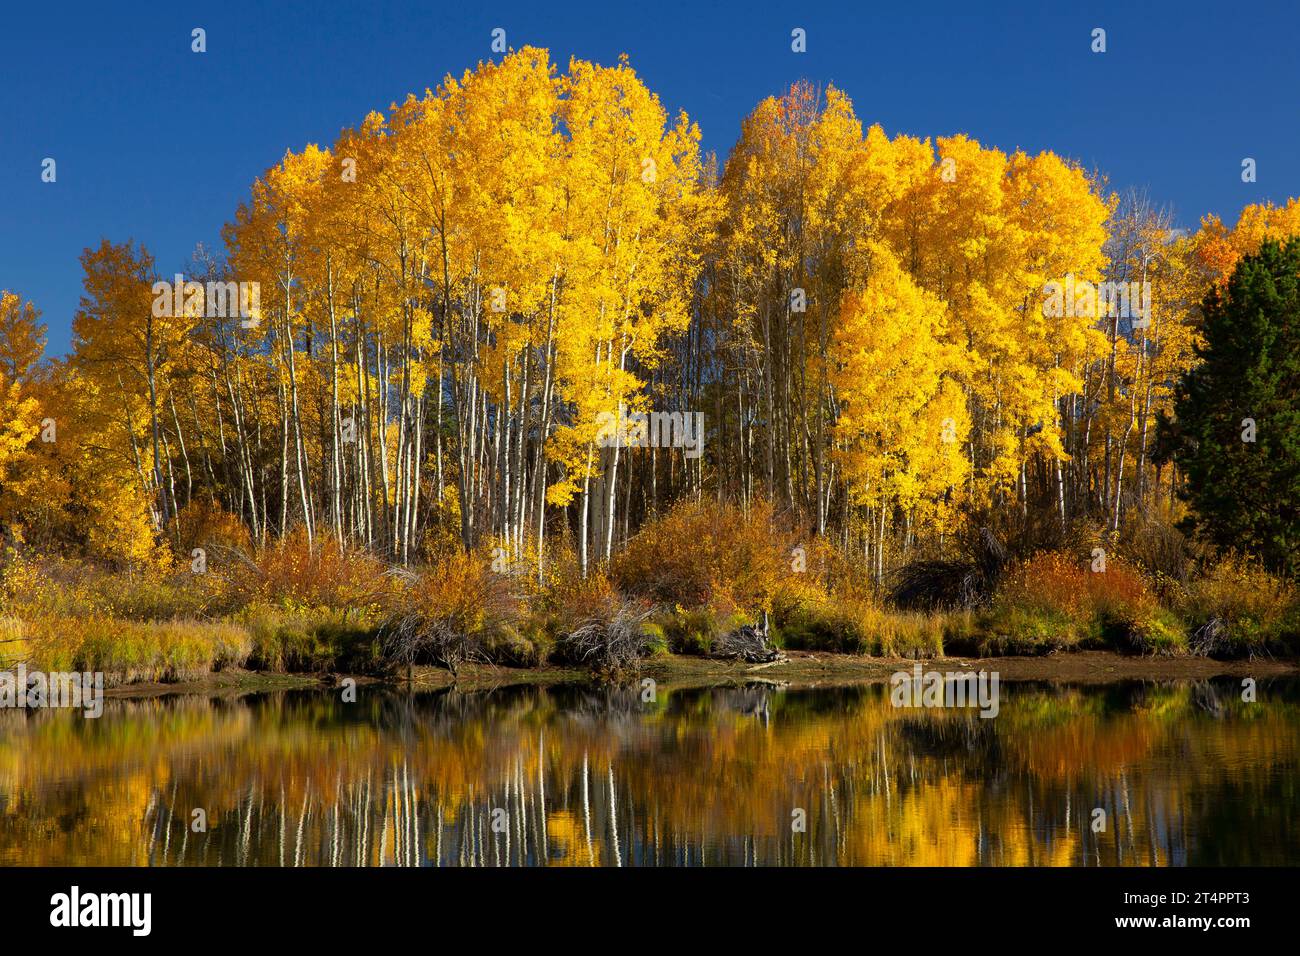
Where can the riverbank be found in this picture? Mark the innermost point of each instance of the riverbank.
(799, 669)
(292, 611)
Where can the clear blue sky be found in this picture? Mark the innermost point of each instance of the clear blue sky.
(159, 144)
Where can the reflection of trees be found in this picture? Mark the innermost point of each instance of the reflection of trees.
(584, 775)
(1206, 696)
(960, 735)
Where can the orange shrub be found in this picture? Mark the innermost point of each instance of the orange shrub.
(706, 553)
(574, 599)
(453, 612)
(207, 525)
(1052, 601)
(291, 571)
(1054, 582)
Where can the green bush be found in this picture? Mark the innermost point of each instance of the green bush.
(310, 640)
(1018, 629)
(1236, 609)
(657, 644)
(825, 626)
(529, 647)
(1146, 630)
(690, 631)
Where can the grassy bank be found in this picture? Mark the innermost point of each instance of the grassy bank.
(684, 583)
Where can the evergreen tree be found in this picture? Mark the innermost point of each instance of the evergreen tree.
(1238, 414)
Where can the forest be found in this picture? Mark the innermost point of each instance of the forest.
(433, 403)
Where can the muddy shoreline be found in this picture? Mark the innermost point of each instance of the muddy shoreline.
(802, 668)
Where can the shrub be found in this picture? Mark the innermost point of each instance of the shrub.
(609, 643)
(1148, 630)
(965, 582)
(1054, 581)
(57, 588)
(143, 597)
(303, 639)
(830, 626)
(1237, 608)
(691, 632)
(656, 639)
(574, 599)
(1051, 602)
(451, 613)
(706, 553)
(205, 524)
(1165, 555)
(527, 647)
(292, 572)
(1024, 630)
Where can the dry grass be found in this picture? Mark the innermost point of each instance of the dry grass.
(134, 651)
(1236, 608)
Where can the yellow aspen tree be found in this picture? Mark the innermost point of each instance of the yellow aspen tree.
(629, 273)
(901, 422)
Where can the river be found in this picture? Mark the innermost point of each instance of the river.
(1129, 774)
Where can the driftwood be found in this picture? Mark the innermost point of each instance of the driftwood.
(749, 644)
(1210, 639)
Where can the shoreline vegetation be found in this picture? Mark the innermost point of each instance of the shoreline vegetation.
(298, 614)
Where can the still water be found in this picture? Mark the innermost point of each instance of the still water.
(1185, 773)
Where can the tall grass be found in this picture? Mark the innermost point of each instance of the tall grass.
(129, 651)
(1239, 609)
(857, 625)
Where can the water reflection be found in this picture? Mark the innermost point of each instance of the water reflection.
(1185, 774)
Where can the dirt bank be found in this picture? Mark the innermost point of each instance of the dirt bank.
(800, 669)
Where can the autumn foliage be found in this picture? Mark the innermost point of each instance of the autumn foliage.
(407, 438)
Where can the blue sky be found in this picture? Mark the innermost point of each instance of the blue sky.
(159, 144)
